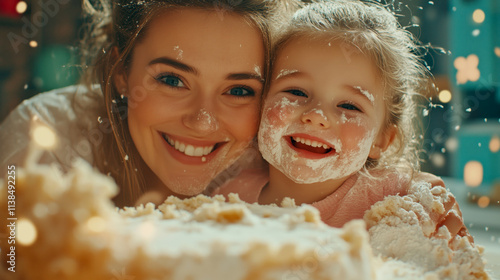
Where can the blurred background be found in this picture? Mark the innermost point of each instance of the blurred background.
(461, 142)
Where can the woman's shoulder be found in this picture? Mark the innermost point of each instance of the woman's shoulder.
(67, 111)
(60, 103)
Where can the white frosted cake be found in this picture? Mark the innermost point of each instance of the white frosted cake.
(68, 228)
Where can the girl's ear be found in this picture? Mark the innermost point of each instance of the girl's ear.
(119, 75)
(382, 142)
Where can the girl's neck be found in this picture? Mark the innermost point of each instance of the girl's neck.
(280, 186)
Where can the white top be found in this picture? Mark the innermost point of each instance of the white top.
(71, 112)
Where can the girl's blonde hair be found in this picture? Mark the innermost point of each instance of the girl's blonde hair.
(113, 29)
(374, 31)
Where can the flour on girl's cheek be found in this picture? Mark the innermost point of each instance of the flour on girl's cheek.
(281, 119)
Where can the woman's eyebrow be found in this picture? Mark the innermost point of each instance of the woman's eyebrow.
(174, 63)
(245, 76)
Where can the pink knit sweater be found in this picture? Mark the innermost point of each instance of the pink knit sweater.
(350, 201)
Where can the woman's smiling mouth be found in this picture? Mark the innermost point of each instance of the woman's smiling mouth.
(191, 152)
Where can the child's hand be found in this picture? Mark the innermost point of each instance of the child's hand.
(451, 218)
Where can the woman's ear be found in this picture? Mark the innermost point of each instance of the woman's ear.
(383, 141)
(119, 75)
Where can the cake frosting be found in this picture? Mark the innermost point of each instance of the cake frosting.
(79, 234)
(68, 228)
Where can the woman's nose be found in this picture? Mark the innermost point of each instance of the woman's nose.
(201, 120)
(316, 117)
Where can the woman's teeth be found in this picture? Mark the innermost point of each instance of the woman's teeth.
(189, 150)
(312, 143)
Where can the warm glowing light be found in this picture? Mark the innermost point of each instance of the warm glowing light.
(478, 16)
(21, 7)
(494, 144)
(445, 96)
(44, 136)
(438, 159)
(497, 51)
(483, 201)
(26, 232)
(33, 44)
(473, 173)
(96, 224)
(467, 68)
(451, 144)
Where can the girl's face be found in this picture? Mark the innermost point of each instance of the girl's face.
(194, 88)
(324, 113)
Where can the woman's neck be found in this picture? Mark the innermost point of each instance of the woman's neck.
(280, 186)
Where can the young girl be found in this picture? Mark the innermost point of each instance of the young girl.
(338, 120)
(173, 94)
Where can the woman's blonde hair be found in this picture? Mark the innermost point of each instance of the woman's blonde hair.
(375, 31)
(112, 31)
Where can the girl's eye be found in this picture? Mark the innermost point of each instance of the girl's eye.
(171, 81)
(297, 92)
(240, 92)
(349, 106)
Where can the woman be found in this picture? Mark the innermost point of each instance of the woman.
(180, 88)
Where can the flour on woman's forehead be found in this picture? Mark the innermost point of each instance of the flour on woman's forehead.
(179, 52)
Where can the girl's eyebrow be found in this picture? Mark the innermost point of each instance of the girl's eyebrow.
(190, 69)
(364, 93)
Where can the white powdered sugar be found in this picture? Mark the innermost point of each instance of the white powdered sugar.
(179, 52)
(402, 231)
(257, 70)
(285, 72)
(276, 149)
(366, 93)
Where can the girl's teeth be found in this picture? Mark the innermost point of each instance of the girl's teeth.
(312, 143)
(190, 150)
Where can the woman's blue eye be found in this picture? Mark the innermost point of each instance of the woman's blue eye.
(297, 92)
(241, 92)
(349, 106)
(170, 80)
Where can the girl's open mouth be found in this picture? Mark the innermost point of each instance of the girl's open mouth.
(309, 147)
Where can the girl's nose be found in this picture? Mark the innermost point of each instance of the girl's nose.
(201, 120)
(316, 117)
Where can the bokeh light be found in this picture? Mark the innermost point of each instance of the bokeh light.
(445, 96)
(451, 144)
(478, 16)
(483, 201)
(33, 44)
(21, 7)
(494, 144)
(497, 51)
(26, 232)
(44, 136)
(473, 173)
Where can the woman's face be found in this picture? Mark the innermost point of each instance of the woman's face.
(194, 88)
